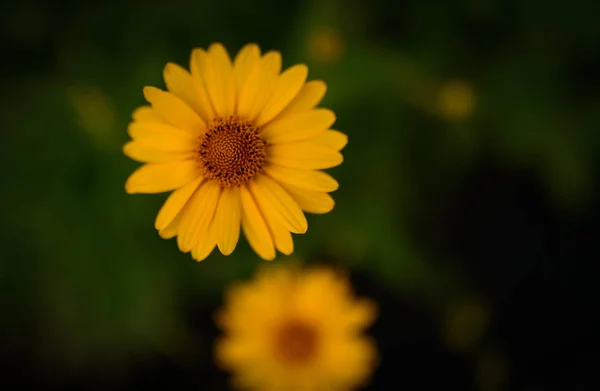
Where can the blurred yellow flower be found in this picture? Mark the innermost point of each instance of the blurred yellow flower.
(456, 100)
(95, 114)
(491, 370)
(465, 324)
(240, 143)
(326, 45)
(294, 329)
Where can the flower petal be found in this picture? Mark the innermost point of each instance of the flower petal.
(170, 231)
(361, 315)
(351, 359)
(198, 61)
(298, 126)
(255, 228)
(330, 138)
(163, 136)
(174, 110)
(146, 113)
(198, 215)
(158, 178)
(175, 203)
(219, 80)
(146, 153)
(303, 179)
(286, 88)
(269, 194)
(206, 244)
(280, 234)
(156, 142)
(244, 63)
(179, 82)
(303, 155)
(259, 86)
(311, 201)
(228, 219)
(308, 98)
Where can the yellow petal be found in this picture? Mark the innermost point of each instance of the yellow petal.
(308, 98)
(280, 234)
(255, 228)
(244, 63)
(219, 80)
(311, 201)
(259, 86)
(323, 286)
(163, 136)
(170, 231)
(269, 194)
(303, 179)
(330, 138)
(198, 215)
(303, 155)
(179, 82)
(228, 219)
(286, 88)
(352, 359)
(298, 126)
(361, 315)
(145, 153)
(174, 204)
(146, 113)
(205, 245)
(156, 142)
(174, 110)
(198, 61)
(158, 178)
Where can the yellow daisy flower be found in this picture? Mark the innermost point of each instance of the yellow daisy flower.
(296, 330)
(240, 143)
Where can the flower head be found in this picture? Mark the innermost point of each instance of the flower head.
(294, 329)
(240, 144)
(456, 100)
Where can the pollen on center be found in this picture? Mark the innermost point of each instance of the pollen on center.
(231, 151)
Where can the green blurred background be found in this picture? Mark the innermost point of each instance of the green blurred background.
(467, 201)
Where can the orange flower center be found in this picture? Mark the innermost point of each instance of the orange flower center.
(231, 151)
(296, 342)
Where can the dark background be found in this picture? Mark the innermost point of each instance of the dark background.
(467, 205)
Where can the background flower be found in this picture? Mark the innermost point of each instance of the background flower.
(294, 329)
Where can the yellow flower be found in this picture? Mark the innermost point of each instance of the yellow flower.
(240, 143)
(465, 324)
(456, 100)
(326, 45)
(296, 330)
